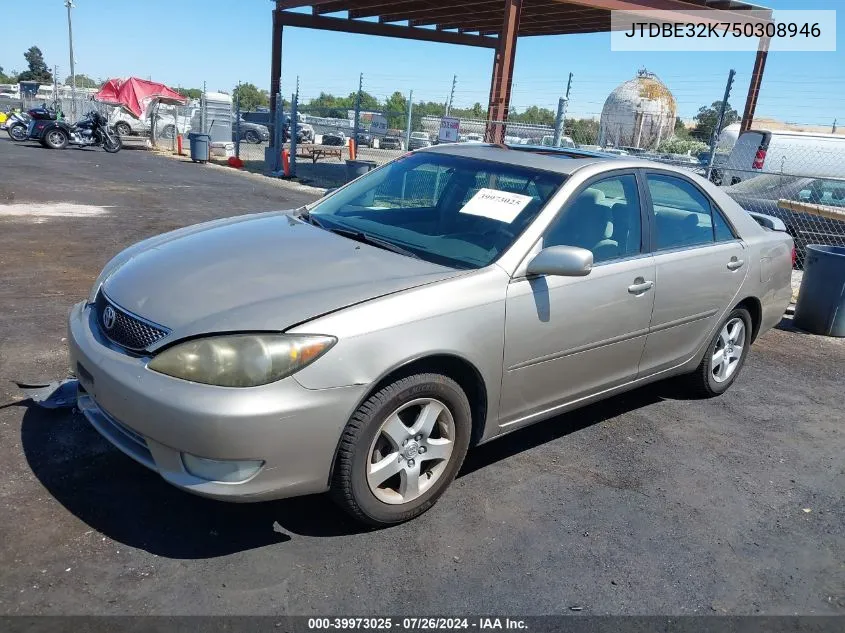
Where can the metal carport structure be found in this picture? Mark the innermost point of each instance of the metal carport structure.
(493, 24)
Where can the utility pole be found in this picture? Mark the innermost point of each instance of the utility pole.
(451, 95)
(358, 106)
(718, 129)
(561, 113)
(69, 4)
(408, 124)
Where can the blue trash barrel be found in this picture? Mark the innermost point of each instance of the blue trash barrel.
(200, 144)
(821, 300)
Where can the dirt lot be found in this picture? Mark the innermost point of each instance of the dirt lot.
(645, 504)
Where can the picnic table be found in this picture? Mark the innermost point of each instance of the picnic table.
(316, 152)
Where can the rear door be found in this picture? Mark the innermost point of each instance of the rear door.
(700, 265)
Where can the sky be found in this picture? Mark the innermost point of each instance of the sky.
(188, 42)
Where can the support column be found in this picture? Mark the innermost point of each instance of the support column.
(754, 85)
(275, 67)
(500, 85)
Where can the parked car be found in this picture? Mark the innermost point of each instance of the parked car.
(334, 138)
(305, 132)
(804, 154)
(419, 140)
(390, 142)
(456, 294)
(364, 140)
(250, 132)
(762, 193)
(471, 138)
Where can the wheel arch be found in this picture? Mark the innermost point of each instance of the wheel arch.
(755, 309)
(453, 366)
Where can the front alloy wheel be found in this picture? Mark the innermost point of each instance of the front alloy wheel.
(410, 452)
(401, 449)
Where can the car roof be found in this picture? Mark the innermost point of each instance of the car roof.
(561, 160)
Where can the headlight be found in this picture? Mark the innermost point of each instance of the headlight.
(241, 360)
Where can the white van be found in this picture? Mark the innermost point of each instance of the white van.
(788, 153)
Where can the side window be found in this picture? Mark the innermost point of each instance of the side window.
(721, 228)
(682, 213)
(827, 192)
(604, 218)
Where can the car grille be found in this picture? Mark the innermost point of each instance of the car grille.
(128, 330)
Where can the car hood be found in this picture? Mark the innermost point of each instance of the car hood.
(265, 272)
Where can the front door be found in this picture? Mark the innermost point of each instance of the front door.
(569, 337)
(700, 266)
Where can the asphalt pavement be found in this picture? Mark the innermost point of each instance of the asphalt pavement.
(645, 504)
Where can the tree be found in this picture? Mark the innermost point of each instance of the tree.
(708, 117)
(582, 131)
(251, 97)
(38, 70)
(83, 81)
(189, 93)
(396, 110)
(681, 130)
(8, 79)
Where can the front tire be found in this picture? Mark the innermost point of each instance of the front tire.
(401, 449)
(251, 136)
(56, 138)
(725, 356)
(17, 132)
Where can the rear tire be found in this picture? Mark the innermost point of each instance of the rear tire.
(725, 356)
(401, 449)
(56, 138)
(251, 136)
(122, 129)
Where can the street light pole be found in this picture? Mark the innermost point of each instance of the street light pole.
(69, 4)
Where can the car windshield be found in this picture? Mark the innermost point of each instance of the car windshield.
(450, 210)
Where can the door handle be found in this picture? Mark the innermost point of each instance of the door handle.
(640, 286)
(735, 263)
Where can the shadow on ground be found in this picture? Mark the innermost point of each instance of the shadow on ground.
(134, 506)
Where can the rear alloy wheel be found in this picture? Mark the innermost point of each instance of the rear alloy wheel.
(56, 138)
(401, 449)
(251, 136)
(724, 357)
(122, 129)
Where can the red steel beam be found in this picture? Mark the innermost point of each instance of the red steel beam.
(342, 25)
(500, 86)
(754, 86)
(457, 13)
(275, 66)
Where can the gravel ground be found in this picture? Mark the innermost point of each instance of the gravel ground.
(645, 504)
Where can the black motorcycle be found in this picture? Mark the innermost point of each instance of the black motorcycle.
(91, 131)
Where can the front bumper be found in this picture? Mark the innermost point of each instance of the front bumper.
(155, 418)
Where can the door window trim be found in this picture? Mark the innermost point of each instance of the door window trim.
(714, 208)
(605, 175)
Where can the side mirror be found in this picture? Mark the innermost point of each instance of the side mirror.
(328, 191)
(562, 261)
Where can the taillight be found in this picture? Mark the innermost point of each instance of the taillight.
(794, 256)
(759, 159)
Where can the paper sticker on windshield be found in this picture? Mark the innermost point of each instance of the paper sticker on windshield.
(503, 206)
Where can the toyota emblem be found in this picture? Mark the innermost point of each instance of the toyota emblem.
(109, 317)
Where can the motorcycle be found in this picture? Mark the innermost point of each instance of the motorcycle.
(91, 131)
(16, 125)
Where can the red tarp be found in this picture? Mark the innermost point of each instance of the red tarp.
(136, 94)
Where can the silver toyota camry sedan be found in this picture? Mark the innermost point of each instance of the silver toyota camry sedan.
(364, 343)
